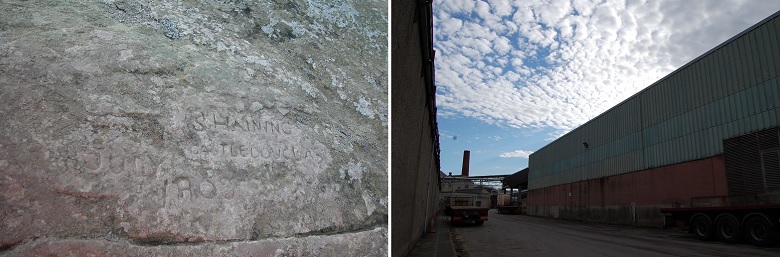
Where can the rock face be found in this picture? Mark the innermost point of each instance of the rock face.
(217, 126)
(364, 243)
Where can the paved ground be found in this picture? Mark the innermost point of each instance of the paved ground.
(437, 244)
(519, 235)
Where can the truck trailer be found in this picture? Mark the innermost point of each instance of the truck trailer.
(737, 218)
(751, 210)
(464, 208)
(509, 203)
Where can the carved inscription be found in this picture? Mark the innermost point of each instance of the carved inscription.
(182, 185)
(207, 189)
(236, 121)
(105, 160)
(89, 161)
(114, 159)
(216, 122)
(186, 188)
(256, 145)
(253, 151)
(227, 190)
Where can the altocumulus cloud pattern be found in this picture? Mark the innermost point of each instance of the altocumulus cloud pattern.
(556, 64)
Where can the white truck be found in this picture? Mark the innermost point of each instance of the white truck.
(463, 208)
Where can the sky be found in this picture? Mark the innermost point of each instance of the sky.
(512, 76)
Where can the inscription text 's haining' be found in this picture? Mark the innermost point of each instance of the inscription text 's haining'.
(201, 121)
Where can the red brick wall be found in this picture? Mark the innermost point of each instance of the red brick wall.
(640, 192)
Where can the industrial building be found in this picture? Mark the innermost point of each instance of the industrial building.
(482, 188)
(708, 129)
(516, 182)
(415, 137)
(450, 184)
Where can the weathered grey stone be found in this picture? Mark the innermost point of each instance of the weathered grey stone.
(364, 243)
(192, 123)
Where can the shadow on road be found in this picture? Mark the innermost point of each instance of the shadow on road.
(457, 240)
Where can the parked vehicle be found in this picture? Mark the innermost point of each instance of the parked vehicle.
(755, 218)
(509, 203)
(751, 210)
(463, 208)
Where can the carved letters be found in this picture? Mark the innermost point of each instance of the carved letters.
(263, 145)
(215, 121)
(105, 160)
(182, 185)
(236, 121)
(207, 189)
(187, 188)
(264, 152)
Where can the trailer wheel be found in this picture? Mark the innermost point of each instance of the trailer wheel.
(703, 228)
(760, 232)
(728, 229)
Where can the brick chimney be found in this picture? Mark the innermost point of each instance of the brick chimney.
(466, 156)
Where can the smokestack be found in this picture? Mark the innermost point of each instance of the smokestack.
(466, 157)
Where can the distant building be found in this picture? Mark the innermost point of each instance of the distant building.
(451, 185)
(517, 181)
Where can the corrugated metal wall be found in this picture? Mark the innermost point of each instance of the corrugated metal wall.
(753, 162)
(732, 90)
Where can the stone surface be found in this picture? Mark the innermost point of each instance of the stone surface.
(364, 243)
(192, 123)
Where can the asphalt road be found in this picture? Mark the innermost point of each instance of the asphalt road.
(520, 235)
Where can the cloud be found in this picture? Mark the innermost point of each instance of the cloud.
(516, 154)
(446, 135)
(534, 64)
(449, 25)
(501, 7)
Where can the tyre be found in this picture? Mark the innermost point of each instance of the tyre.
(759, 232)
(479, 222)
(728, 229)
(703, 228)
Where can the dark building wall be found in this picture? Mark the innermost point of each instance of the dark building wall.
(415, 163)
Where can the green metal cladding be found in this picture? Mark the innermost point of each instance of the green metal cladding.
(729, 91)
